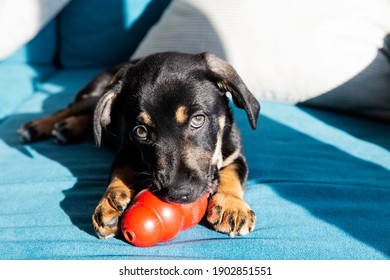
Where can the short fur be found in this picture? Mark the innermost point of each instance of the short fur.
(170, 118)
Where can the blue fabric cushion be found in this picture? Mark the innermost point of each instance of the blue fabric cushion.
(106, 34)
(23, 71)
(17, 82)
(319, 184)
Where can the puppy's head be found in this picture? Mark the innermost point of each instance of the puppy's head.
(175, 112)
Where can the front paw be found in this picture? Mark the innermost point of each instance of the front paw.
(230, 214)
(107, 214)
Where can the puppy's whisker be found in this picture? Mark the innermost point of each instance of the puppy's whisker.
(143, 181)
(147, 173)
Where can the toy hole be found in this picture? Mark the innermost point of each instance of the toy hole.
(130, 236)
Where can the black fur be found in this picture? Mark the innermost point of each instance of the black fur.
(157, 85)
(169, 118)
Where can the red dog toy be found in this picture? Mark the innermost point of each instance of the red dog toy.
(150, 220)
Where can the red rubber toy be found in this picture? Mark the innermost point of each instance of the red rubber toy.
(150, 220)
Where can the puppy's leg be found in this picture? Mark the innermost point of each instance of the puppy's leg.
(72, 129)
(68, 126)
(41, 129)
(73, 123)
(118, 195)
(227, 211)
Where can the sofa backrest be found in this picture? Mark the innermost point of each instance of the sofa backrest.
(91, 33)
(40, 50)
(102, 33)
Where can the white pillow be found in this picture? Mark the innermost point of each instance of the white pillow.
(285, 50)
(21, 20)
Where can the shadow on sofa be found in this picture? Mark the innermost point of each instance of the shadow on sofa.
(375, 134)
(81, 199)
(366, 94)
(347, 192)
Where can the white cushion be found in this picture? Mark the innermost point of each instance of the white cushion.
(21, 20)
(285, 50)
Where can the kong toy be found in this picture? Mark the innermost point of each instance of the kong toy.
(150, 220)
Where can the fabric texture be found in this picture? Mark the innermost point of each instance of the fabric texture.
(17, 83)
(20, 21)
(97, 33)
(290, 51)
(318, 183)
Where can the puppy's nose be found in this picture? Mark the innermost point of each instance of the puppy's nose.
(170, 188)
(179, 195)
(183, 199)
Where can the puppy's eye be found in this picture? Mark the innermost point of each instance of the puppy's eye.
(198, 121)
(141, 132)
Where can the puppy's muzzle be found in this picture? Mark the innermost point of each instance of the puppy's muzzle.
(182, 189)
(172, 192)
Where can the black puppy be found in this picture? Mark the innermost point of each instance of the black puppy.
(170, 117)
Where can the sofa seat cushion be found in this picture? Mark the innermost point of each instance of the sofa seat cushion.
(18, 81)
(318, 183)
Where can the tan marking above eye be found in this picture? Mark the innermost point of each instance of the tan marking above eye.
(181, 114)
(146, 118)
(196, 158)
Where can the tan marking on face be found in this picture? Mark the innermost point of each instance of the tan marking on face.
(146, 118)
(196, 158)
(217, 156)
(181, 114)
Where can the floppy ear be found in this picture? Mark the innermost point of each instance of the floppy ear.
(227, 80)
(102, 115)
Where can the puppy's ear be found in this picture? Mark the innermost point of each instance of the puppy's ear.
(227, 80)
(102, 116)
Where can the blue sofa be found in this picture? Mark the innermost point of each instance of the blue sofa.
(319, 181)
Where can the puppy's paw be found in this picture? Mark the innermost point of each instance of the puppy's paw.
(230, 214)
(35, 130)
(106, 219)
(72, 130)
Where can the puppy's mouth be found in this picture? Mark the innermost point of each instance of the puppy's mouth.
(210, 188)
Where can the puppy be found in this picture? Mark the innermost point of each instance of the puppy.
(169, 116)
